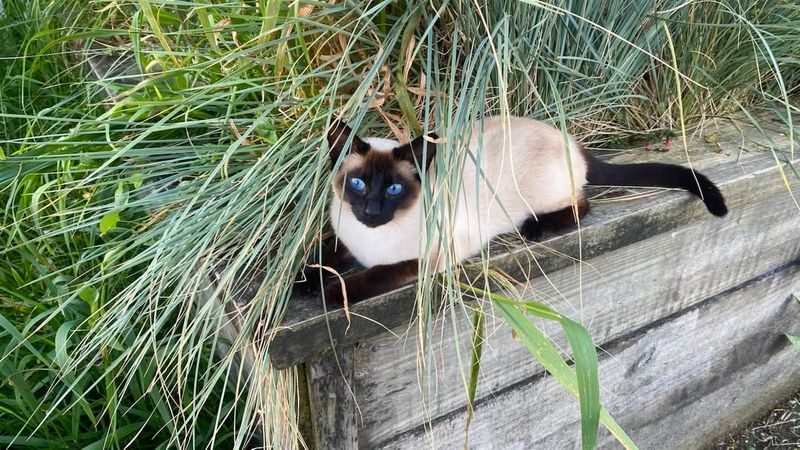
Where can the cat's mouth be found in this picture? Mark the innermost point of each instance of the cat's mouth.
(373, 221)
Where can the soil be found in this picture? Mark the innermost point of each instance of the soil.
(780, 429)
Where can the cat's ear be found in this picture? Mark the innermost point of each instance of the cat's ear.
(338, 134)
(419, 151)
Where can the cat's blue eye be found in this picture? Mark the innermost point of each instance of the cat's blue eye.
(357, 184)
(394, 189)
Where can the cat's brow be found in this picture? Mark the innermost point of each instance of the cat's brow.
(380, 161)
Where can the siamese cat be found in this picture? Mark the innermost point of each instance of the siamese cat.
(526, 181)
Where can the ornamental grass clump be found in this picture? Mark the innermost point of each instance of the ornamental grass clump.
(199, 155)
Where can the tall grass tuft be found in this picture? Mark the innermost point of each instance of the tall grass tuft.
(122, 196)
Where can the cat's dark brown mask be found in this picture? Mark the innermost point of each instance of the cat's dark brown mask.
(377, 184)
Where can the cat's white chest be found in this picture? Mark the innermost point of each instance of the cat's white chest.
(395, 241)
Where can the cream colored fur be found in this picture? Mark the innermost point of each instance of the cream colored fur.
(525, 171)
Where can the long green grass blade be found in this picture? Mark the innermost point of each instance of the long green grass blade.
(583, 382)
(475, 365)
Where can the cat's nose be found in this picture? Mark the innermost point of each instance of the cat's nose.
(373, 208)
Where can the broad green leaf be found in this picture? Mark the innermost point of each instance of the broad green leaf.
(583, 383)
(62, 343)
(585, 357)
(120, 196)
(31, 442)
(36, 206)
(475, 366)
(538, 344)
(136, 180)
(109, 221)
(88, 294)
(795, 340)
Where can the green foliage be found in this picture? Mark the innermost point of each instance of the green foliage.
(795, 340)
(122, 195)
(582, 382)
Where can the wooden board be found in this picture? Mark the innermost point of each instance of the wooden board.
(677, 383)
(109, 67)
(619, 292)
(745, 177)
(333, 406)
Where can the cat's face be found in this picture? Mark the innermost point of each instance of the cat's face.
(377, 179)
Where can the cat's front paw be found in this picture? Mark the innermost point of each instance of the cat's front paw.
(306, 287)
(334, 297)
(308, 283)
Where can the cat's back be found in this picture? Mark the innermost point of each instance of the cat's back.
(525, 137)
(522, 170)
(522, 148)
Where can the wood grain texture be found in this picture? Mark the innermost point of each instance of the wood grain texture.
(333, 407)
(677, 383)
(109, 67)
(617, 292)
(746, 178)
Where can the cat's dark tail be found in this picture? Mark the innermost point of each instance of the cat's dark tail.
(657, 175)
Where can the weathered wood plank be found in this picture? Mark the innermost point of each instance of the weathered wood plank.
(217, 304)
(110, 67)
(672, 271)
(745, 179)
(333, 405)
(675, 384)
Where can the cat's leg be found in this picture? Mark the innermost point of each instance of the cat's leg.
(335, 256)
(534, 227)
(368, 283)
